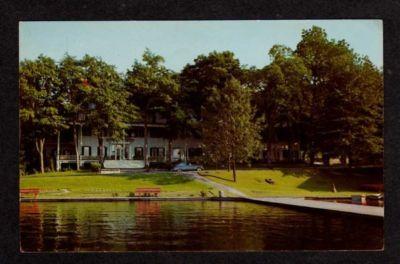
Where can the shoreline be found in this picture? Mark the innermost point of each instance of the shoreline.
(114, 199)
(293, 203)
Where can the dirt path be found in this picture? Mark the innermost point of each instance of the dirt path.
(215, 184)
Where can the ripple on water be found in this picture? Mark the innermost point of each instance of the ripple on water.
(164, 225)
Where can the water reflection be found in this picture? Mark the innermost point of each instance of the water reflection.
(163, 225)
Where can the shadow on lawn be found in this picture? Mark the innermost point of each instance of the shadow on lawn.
(323, 180)
(298, 172)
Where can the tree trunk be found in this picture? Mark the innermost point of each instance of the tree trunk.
(186, 151)
(234, 169)
(270, 139)
(229, 163)
(76, 144)
(101, 148)
(312, 155)
(326, 158)
(169, 159)
(39, 147)
(145, 149)
(351, 161)
(269, 151)
(58, 151)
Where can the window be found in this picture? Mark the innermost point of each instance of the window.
(157, 152)
(86, 151)
(138, 153)
(161, 152)
(177, 153)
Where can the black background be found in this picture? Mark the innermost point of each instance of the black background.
(15, 11)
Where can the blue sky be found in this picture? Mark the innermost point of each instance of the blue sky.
(179, 42)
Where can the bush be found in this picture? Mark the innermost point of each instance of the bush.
(95, 166)
(159, 165)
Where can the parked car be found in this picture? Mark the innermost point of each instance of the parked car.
(182, 166)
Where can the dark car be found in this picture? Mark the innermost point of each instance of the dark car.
(182, 166)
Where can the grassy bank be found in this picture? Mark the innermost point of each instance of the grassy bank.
(88, 184)
(297, 182)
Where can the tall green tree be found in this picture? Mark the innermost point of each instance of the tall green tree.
(40, 101)
(316, 50)
(279, 95)
(109, 111)
(198, 79)
(230, 133)
(152, 86)
(345, 98)
(353, 123)
(75, 93)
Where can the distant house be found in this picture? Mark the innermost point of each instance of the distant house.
(129, 152)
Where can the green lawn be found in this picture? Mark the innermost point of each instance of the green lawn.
(88, 184)
(291, 182)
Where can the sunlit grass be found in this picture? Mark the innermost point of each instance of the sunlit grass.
(298, 182)
(89, 184)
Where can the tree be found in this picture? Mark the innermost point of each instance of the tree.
(316, 51)
(40, 101)
(75, 93)
(198, 79)
(109, 112)
(151, 86)
(345, 93)
(278, 95)
(353, 126)
(230, 133)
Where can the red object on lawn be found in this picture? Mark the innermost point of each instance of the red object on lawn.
(35, 191)
(147, 191)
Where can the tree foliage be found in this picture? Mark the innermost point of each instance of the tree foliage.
(40, 101)
(230, 133)
(198, 79)
(75, 94)
(345, 98)
(322, 96)
(108, 110)
(152, 87)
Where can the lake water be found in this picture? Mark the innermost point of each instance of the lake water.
(189, 226)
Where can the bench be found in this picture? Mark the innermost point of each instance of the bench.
(35, 191)
(147, 192)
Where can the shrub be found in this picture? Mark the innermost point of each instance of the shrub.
(95, 166)
(86, 166)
